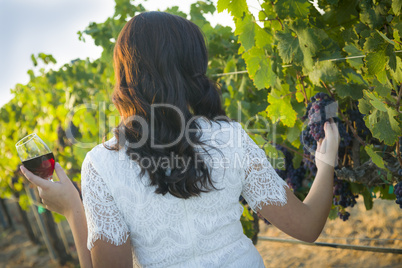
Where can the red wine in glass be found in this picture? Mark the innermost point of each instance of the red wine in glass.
(36, 156)
(42, 166)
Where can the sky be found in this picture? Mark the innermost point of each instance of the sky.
(50, 26)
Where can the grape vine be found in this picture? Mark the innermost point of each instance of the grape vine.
(346, 52)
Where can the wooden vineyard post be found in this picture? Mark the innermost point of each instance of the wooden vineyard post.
(63, 237)
(25, 221)
(50, 227)
(2, 220)
(39, 220)
(58, 245)
(6, 213)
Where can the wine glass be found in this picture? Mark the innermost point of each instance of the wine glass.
(36, 156)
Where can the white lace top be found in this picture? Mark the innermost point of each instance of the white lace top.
(166, 231)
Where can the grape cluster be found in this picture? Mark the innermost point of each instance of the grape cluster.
(343, 215)
(288, 162)
(320, 110)
(292, 176)
(398, 193)
(343, 197)
(310, 165)
(295, 177)
(356, 118)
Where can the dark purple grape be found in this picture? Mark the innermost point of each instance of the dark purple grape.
(343, 197)
(344, 215)
(357, 120)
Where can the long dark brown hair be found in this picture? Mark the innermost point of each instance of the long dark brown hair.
(161, 59)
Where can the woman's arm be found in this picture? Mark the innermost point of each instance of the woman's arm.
(103, 254)
(305, 220)
(63, 198)
(78, 224)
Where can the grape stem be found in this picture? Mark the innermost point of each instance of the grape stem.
(344, 117)
(369, 174)
(277, 18)
(355, 153)
(304, 89)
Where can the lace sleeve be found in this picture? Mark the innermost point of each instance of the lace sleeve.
(104, 219)
(261, 185)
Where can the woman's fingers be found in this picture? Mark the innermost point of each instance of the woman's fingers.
(36, 180)
(61, 174)
(319, 144)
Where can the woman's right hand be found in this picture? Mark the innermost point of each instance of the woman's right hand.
(59, 196)
(327, 148)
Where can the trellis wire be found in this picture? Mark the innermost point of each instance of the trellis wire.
(334, 245)
(289, 65)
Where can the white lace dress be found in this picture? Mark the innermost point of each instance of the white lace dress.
(166, 231)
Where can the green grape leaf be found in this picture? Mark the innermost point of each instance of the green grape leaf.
(325, 71)
(397, 74)
(370, 17)
(259, 68)
(259, 140)
(397, 6)
(383, 90)
(374, 43)
(368, 199)
(245, 29)
(391, 56)
(280, 109)
(353, 77)
(376, 62)
(354, 91)
(262, 37)
(265, 76)
(235, 7)
(376, 102)
(309, 42)
(292, 9)
(382, 77)
(293, 134)
(387, 192)
(253, 58)
(271, 151)
(333, 213)
(288, 47)
(353, 51)
(299, 93)
(384, 126)
(378, 160)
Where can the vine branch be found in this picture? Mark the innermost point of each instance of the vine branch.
(304, 90)
(294, 151)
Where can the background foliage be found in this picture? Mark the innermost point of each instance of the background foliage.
(290, 51)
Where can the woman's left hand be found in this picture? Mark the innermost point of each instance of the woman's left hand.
(60, 196)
